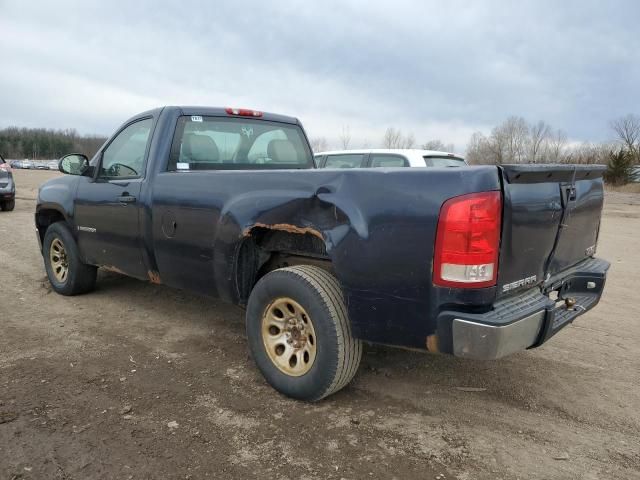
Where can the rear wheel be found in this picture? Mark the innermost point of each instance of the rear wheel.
(8, 205)
(66, 272)
(299, 333)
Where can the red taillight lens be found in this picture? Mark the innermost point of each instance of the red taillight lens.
(243, 112)
(468, 240)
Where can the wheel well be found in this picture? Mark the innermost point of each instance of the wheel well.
(44, 218)
(265, 249)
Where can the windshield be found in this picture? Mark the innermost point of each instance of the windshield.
(214, 143)
(444, 161)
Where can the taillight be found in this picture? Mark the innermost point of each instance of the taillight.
(243, 112)
(468, 240)
(5, 166)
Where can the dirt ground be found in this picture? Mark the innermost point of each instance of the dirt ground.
(141, 381)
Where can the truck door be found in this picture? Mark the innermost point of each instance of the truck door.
(107, 208)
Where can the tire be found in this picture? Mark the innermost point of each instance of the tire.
(302, 292)
(79, 278)
(8, 206)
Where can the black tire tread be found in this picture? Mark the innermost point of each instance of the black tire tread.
(82, 277)
(349, 348)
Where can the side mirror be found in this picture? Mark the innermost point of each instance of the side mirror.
(73, 164)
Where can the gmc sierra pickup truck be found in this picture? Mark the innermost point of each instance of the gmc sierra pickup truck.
(477, 262)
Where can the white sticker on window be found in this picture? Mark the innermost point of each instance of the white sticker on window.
(182, 166)
(196, 118)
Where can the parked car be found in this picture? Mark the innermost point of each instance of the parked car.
(28, 164)
(384, 157)
(52, 165)
(15, 164)
(41, 166)
(477, 262)
(7, 187)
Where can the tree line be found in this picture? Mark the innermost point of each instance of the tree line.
(517, 141)
(46, 144)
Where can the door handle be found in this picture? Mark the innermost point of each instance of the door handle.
(126, 199)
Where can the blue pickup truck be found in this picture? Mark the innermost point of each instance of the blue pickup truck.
(477, 262)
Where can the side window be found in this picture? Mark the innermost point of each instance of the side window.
(124, 157)
(385, 160)
(352, 160)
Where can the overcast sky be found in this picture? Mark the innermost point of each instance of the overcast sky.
(436, 69)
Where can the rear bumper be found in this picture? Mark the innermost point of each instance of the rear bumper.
(527, 320)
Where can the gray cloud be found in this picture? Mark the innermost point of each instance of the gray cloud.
(432, 69)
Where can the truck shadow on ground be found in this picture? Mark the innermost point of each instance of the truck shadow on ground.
(525, 380)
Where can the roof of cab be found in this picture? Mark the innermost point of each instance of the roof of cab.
(221, 112)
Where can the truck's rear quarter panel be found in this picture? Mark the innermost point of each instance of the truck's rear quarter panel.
(379, 227)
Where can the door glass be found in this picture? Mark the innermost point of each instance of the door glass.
(448, 161)
(380, 160)
(124, 157)
(344, 161)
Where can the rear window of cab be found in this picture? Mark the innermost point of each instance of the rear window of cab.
(223, 143)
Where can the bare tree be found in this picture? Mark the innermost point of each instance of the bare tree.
(588, 153)
(409, 141)
(627, 129)
(345, 137)
(318, 144)
(476, 149)
(538, 135)
(392, 138)
(511, 139)
(395, 139)
(438, 145)
(556, 147)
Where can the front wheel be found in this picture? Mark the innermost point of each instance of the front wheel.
(299, 333)
(66, 272)
(8, 206)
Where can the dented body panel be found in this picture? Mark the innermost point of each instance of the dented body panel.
(215, 231)
(380, 250)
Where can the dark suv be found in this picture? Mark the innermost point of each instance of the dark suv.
(7, 187)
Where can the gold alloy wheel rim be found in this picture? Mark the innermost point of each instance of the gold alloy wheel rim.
(58, 260)
(289, 337)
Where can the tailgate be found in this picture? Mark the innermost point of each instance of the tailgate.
(551, 219)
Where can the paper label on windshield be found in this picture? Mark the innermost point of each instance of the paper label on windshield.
(182, 166)
(196, 118)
